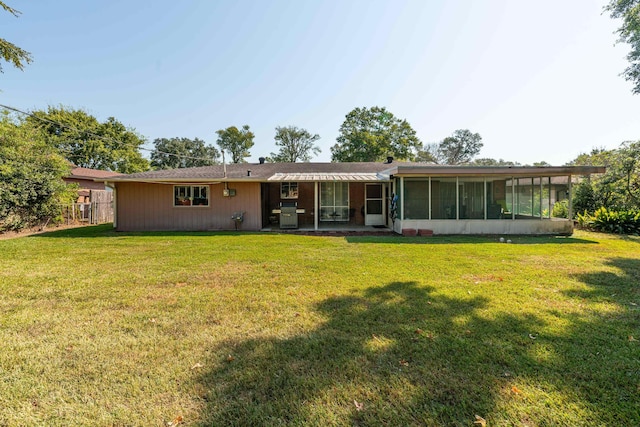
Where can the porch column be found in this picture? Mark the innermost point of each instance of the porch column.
(570, 214)
(315, 205)
(401, 198)
(513, 198)
(540, 198)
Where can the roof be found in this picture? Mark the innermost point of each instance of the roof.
(87, 173)
(264, 172)
(356, 171)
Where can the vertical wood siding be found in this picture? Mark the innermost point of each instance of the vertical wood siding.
(143, 206)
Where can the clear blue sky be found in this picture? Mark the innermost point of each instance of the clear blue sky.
(538, 80)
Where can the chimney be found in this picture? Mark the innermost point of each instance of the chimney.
(261, 160)
(389, 159)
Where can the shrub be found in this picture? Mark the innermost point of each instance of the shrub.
(560, 209)
(611, 221)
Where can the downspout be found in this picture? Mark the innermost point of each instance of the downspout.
(115, 202)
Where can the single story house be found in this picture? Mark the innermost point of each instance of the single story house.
(399, 196)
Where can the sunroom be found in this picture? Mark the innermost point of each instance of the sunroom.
(482, 200)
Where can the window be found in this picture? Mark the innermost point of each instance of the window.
(416, 199)
(334, 201)
(289, 190)
(191, 195)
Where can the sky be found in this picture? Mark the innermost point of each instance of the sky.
(539, 81)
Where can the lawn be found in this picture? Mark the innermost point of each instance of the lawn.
(198, 329)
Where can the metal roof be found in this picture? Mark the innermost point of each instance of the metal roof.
(338, 176)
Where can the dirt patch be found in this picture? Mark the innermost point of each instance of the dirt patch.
(37, 230)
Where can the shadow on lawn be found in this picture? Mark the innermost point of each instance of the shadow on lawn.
(413, 357)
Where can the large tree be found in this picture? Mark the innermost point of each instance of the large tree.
(629, 32)
(10, 52)
(372, 135)
(619, 187)
(31, 172)
(295, 145)
(486, 161)
(86, 142)
(236, 141)
(173, 153)
(459, 148)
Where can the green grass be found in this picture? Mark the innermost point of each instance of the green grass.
(105, 328)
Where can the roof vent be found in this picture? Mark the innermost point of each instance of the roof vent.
(261, 160)
(389, 159)
(248, 173)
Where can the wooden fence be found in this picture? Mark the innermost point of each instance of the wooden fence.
(98, 211)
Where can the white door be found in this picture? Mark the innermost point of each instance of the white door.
(373, 204)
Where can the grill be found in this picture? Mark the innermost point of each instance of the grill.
(288, 215)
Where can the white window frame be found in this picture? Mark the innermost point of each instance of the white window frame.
(286, 188)
(189, 194)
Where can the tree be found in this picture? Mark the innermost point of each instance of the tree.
(10, 52)
(236, 141)
(459, 148)
(619, 187)
(373, 134)
(31, 171)
(485, 161)
(86, 142)
(629, 32)
(174, 153)
(428, 153)
(295, 145)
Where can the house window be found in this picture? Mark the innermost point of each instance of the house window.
(289, 190)
(191, 195)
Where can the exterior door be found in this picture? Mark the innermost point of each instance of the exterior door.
(373, 205)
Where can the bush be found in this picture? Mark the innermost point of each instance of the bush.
(610, 221)
(560, 209)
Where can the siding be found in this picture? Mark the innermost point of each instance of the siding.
(149, 207)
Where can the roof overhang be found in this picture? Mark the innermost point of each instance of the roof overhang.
(505, 171)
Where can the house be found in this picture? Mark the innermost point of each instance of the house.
(399, 196)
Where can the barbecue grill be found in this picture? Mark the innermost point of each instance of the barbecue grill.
(288, 215)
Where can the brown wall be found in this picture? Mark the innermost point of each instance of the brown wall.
(85, 183)
(142, 206)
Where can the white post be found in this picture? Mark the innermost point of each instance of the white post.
(315, 205)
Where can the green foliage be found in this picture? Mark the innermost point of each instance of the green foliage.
(584, 198)
(372, 135)
(485, 161)
(619, 187)
(560, 209)
(610, 221)
(174, 153)
(86, 142)
(629, 32)
(10, 52)
(31, 185)
(295, 145)
(459, 148)
(236, 141)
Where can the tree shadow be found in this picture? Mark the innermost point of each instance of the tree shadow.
(402, 354)
(409, 356)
